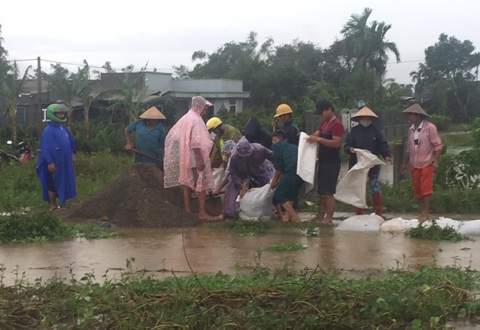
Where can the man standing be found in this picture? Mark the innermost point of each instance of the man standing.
(187, 156)
(223, 132)
(367, 136)
(284, 115)
(423, 151)
(55, 167)
(329, 136)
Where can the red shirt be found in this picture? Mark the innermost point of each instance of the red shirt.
(329, 129)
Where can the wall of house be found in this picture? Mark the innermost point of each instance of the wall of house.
(156, 82)
(207, 85)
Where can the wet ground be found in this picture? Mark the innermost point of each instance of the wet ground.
(210, 248)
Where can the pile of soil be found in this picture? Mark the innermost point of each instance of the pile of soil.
(138, 199)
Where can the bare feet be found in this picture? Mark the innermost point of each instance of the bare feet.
(422, 218)
(297, 219)
(207, 217)
(325, 222)
(286, 218)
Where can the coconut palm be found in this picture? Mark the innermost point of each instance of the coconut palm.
(11, 89)
(366, 44)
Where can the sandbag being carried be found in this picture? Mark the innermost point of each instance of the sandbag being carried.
(257, 203)
(306, 161)
(351, 188)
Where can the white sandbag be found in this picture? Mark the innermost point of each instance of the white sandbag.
(351, 188)
(306, 161)
(257, 203)
(443, 223)
(398, 225)
(218, 175)
(469, 228)
(361, 223)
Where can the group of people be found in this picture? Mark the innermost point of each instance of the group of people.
(187, 156)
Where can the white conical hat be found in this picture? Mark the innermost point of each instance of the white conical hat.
(364, 112)
(416, 108)
(152, 113)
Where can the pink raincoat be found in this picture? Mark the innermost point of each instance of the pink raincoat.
(189, 133)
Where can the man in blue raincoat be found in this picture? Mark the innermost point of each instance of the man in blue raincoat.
(55, 167)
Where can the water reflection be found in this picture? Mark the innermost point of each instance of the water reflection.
(206, 249)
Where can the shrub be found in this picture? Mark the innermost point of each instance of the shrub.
(441, 122)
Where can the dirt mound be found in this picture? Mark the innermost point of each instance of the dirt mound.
(138, 199)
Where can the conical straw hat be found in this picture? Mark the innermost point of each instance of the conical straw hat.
(152, 113)
(416, 108)
(364, 112)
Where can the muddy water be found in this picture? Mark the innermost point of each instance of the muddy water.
(208, 249)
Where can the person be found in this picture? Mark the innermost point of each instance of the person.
(187, 156)
(423, 151)
(368, 136)
(286, 181)
(255, 133)
(284, 115)
(223, 132)
(249, 166)
(150, 137)
(329, 136)
(55, 167)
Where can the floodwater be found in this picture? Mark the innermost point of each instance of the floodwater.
(210, 248)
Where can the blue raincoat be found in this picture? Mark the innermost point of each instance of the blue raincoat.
(57, 146)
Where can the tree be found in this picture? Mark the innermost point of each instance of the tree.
(11, 90)
(134, 98)
(4, 66)
(367, 46)
(450, 71)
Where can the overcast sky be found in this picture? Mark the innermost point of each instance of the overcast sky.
(166, 33)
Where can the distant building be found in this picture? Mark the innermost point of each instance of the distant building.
(225, 94)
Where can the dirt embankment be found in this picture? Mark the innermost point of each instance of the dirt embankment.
(138, 199)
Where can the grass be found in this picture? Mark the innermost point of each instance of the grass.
(264, 299)
(435, 233)
(286, 247)
(45, 226)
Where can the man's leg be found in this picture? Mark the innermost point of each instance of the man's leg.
(424, 208)
(52, 200)
(321, 208)
(291, 214)
(330, 205)
(187, 193)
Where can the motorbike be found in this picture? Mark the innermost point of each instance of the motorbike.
(19, 153)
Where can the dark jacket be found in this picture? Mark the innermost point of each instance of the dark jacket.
(368, 138)
(254, 133)
(292, 132)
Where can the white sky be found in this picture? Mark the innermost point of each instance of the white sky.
(166, 33)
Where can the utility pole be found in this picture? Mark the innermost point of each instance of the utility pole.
(39, 116)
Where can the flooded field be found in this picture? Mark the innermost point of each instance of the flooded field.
(212, 248)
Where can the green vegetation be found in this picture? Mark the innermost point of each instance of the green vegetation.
(249, 228)
(44, 226)
(21, 187)
(435, 233)
(265, 299)
(286, 247)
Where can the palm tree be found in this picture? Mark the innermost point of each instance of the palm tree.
(366, 44)
(11, 89)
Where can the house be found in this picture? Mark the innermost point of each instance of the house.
(223, 93)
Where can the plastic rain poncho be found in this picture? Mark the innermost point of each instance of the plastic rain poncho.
(187, 134)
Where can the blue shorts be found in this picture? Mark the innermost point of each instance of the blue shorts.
(374, 181)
